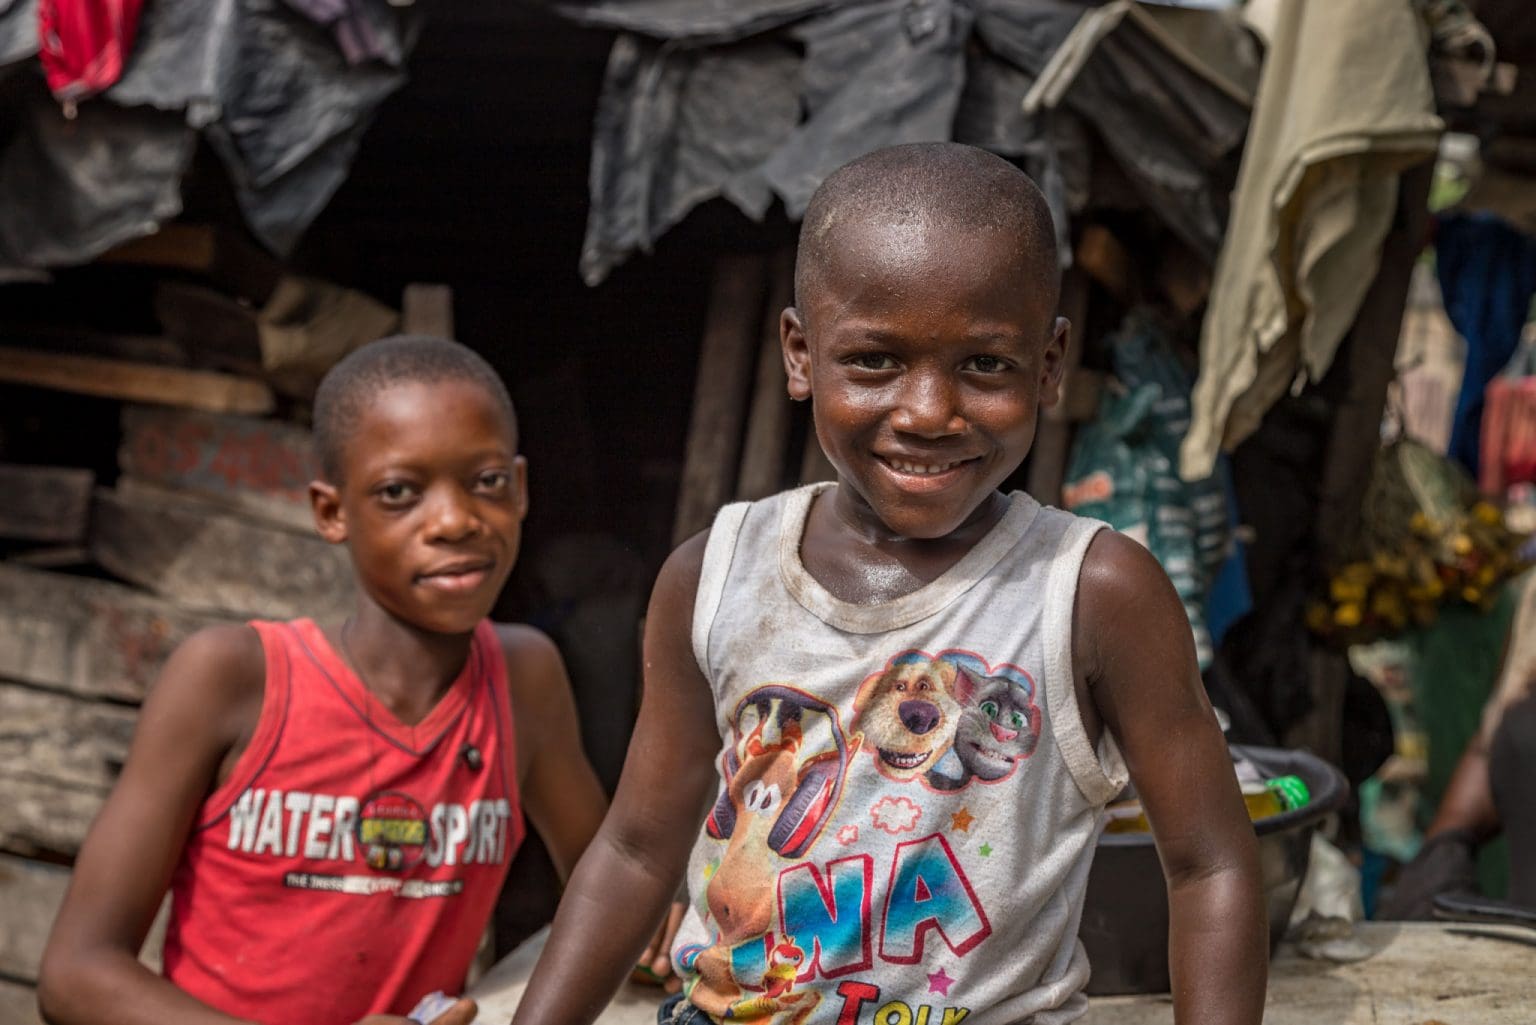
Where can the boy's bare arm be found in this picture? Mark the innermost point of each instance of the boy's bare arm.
(618, 891)
(1131, 638)
(208, 693)
(560, 792)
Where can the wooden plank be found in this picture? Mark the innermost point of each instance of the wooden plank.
(63, 738)
(135, 382)
(261, 467)
(209, 561)
(31, 893)
(41, 816)
(219, 255)
(221, 331)
(18, 1004)
(1104, 258)
(44, 503)
(86, 636)
(1053, 438)
(767, 445)
(725, 363)
(427, 310)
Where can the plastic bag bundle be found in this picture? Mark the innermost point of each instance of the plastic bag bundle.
(1124, 470)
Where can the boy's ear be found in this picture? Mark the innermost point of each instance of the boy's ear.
(325, 503)
(1053, 363)
(797, 353)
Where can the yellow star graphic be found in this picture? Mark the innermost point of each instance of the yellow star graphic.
(961, 820)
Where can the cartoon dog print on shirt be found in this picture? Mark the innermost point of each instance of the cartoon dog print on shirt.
(908, 712)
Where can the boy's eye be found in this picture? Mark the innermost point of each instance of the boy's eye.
(395, 492)
(987, 364)
(989, 709)
(872, 361)
(493, 480)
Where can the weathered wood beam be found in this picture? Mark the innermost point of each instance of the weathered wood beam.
(208, 561)
(44, 503)
(261, 467)
(135, 382)
(85, 636)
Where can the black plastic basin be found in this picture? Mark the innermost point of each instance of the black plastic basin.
(1125, 914)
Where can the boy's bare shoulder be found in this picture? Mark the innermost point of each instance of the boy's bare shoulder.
(1124, 598)
(226, 660)
(679, 576)
(536, 678)
(525, 647)
(215, 680)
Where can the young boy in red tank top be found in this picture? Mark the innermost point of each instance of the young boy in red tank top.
(333, 806)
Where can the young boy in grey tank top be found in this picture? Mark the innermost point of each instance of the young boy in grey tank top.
(882, 717)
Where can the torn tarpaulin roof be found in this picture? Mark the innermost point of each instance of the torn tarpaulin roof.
(756, 99)
(271, 89)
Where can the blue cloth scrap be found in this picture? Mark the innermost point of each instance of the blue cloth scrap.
(1487, 272)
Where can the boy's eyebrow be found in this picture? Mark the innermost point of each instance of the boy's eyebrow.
(877, 334)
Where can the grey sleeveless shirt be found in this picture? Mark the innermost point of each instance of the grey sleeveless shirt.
(909, 801)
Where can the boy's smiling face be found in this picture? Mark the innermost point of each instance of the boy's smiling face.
(927, 351)
(430, 502)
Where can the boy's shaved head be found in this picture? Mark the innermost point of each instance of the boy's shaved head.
(919, 187)
(349, 386)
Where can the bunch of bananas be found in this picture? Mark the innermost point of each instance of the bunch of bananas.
(1460, 557)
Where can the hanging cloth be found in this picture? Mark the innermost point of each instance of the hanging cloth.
(83, 45)
(1487, 273)
(1344, 105)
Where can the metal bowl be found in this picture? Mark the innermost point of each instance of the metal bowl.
(1125, 913)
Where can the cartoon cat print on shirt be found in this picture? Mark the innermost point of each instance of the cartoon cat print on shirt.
(997, 728)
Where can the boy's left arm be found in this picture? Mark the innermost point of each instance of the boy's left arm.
(560, 791)
(1135, 660)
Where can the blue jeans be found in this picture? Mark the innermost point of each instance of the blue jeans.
(676, 1010)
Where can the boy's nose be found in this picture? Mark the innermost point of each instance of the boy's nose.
(453, 517)
(927, 408)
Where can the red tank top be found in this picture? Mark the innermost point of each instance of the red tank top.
(349, 864)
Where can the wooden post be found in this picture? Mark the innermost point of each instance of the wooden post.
(767, 444)
(1368, 355)
(814, 464)
(427, 310)
(1053, 438)
(725, 366)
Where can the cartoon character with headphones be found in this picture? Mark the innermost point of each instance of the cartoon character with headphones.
(783, 780)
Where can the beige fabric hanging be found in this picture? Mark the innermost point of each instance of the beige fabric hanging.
(1344, 106)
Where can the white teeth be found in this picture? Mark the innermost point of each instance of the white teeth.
(922, 468)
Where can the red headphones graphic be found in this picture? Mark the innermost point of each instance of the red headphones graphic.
(817, 790)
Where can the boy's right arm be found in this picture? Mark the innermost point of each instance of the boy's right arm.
(634, 864)
(207, 697)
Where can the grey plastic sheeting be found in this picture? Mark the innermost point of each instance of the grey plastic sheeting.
(269, 88)
(755, 99)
